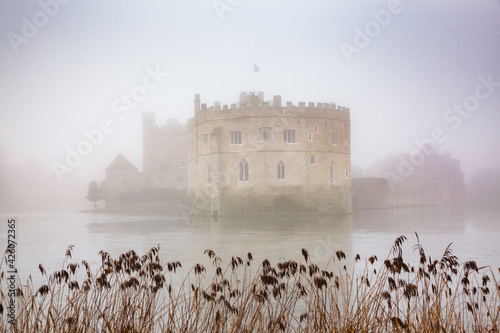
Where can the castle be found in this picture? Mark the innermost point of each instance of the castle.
(263, 157)
(164, 166)
(164, 153)
(253, 157)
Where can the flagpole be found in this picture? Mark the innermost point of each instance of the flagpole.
(255, 69)
(253, 79)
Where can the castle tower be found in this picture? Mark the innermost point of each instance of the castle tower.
(197, 103)
(258, 159)
(148, 140)
(164, 153)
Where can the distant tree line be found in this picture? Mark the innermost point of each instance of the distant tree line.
(484, 189)
(482, 192)
(434, 167)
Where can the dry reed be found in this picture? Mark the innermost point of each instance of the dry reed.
(136, 294)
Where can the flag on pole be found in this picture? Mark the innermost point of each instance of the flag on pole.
(255, 68)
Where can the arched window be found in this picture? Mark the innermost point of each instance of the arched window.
(281, 170)
(209, 173)
(332, 176)
(243, 171)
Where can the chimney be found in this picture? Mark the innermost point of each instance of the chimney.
(196, 103)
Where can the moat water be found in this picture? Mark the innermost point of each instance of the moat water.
(43, 237)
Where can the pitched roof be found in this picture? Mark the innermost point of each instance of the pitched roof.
(121, 163)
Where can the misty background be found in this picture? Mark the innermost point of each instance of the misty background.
(64, 77)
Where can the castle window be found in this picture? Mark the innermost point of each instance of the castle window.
(346, 173)
(281, 170)
(164, 167)
(312, 159)
(209, 173)
(265, 134)
(334, 137)
(310, 136)
(289, 136)
(235, 137)
(243, 171)
(346, 138)
(332, 178)
(205, 140)
(315, 129)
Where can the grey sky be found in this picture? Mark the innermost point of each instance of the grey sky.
(399, 87)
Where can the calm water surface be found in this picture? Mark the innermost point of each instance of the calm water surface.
(43, 237)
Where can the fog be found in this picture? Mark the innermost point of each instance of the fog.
(410, 72)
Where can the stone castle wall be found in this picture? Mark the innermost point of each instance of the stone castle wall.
(371, 193)
(307, 185)
(421, 193)
(376, 193)
(164, 154)
(119, 184)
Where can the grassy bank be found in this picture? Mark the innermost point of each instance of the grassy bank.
(134, 293)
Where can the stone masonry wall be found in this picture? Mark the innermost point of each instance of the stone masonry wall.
(117, 183)
(164, 154)
(307, 186)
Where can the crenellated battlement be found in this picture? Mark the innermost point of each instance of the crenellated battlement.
(255, 101)
(253, 105)
(151, 128)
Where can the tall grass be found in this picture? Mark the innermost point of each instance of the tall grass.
(136, 294)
